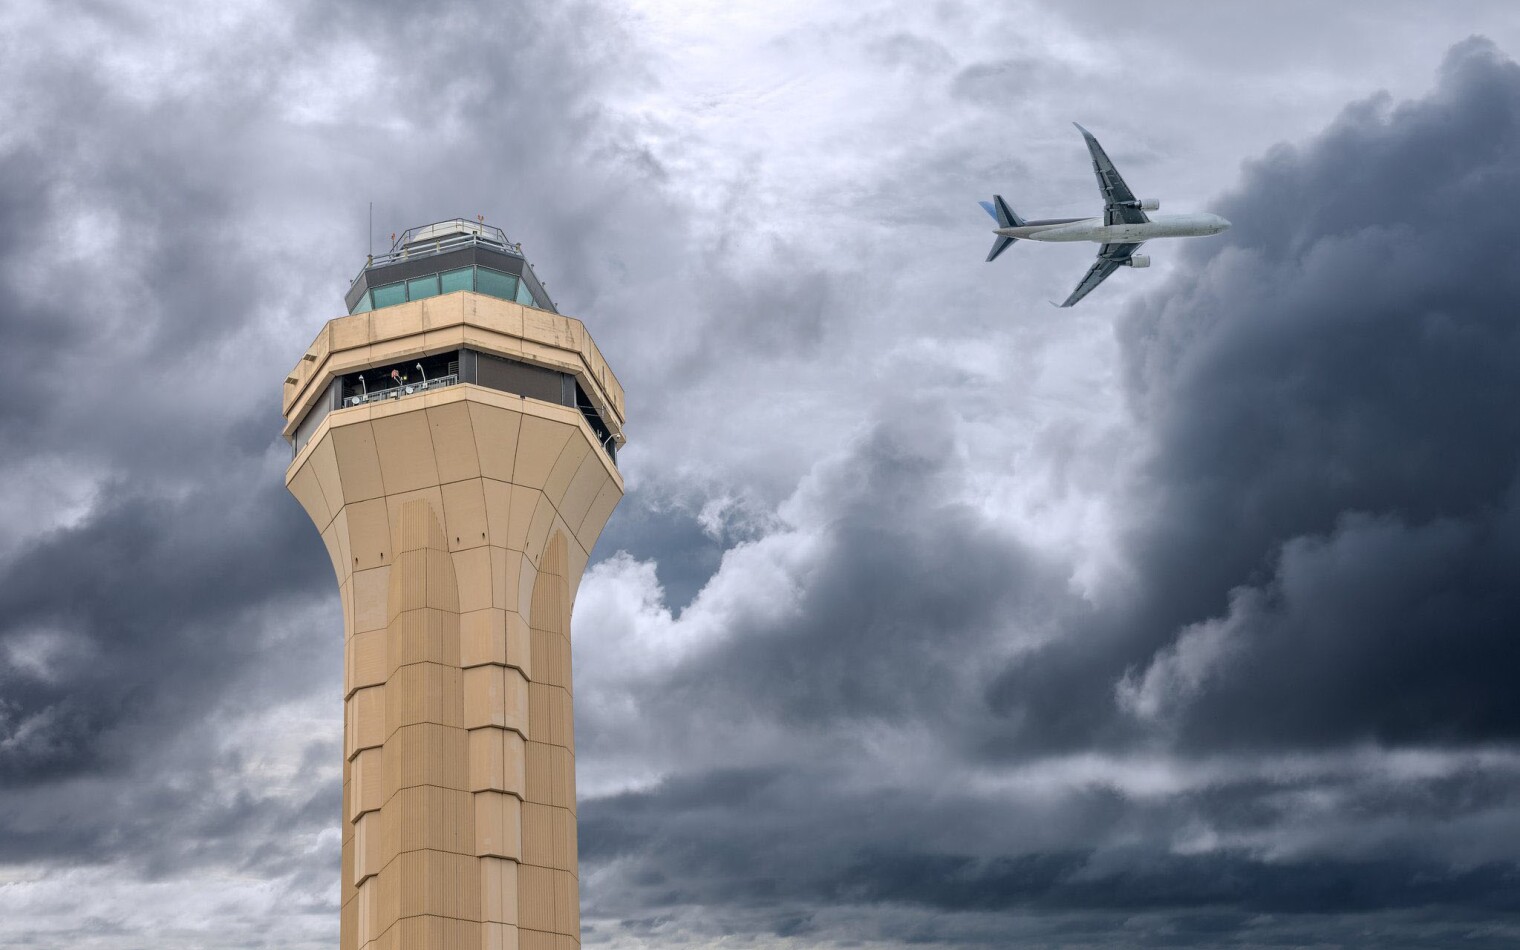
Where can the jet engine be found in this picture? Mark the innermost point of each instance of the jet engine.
(1150, 204)
(1139, 260)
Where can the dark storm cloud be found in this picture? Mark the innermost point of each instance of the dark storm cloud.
(153, 612)
(909, 588)
(155, 290)
(1333, 484)
(804, 849)
(1324, 534)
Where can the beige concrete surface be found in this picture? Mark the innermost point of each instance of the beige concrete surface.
(458, 522)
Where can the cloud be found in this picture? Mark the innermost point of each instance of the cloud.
(1316, 529)
(921, 621)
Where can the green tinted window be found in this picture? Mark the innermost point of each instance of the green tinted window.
(525, 296)
(363, 305)
(390, 295)
(462, 279)
(495, 283)
(420, 287)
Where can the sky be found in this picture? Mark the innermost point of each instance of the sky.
(932, 615)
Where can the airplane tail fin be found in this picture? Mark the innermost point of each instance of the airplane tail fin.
(1006, 217)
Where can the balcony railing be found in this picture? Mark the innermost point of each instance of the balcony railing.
(397, 392)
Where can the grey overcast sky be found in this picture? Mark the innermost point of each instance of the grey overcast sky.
(932, 615)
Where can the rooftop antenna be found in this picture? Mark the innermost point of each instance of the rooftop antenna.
(371, 230)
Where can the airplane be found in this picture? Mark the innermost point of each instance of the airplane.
(1122, 229)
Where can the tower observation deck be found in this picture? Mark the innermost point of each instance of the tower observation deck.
(455, 443)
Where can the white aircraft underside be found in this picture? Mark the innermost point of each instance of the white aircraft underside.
(1121, 230)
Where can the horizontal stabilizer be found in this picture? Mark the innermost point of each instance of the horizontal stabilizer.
(999, 245)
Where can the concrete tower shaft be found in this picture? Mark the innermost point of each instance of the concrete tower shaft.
(459, 515)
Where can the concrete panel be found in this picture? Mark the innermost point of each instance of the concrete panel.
(498, 501)
(396, 503)
(567, 904)
(340, 564)
(547, 667)
(597, 514)
(422, 636)
(367, 912)
(464, 514)
(426, 754)
(364, 720)
(367, 791)
(519, 644)
(431, 932)
(472, 569)
(425, 817)
(538, 530)
(539, 445)
(503, 316)
(388, 323)
(561, 777)
(340, 531)
(482, 637)
(538, 834)
(576, 558)
(497, 823)
(324, 464)
(453, 442)
(370, 598)
(423, 692)
(566, 847)
(495, 696)
(496, 432)
(408, 588)
(495, 936)
(351, 331)
(442, 586)
(590, 478)
(405, 448)
(369, 534)
(487, 761)
(535, 898)
(574, 454)
(365, 661)
(539, 762)
(524, 502)
(434, 883)
(358, 462)
(506, 567)
(367, 838)
(497, 761)
(498, 892)
(309, 493)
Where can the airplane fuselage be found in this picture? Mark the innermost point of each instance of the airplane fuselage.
(1094, 230)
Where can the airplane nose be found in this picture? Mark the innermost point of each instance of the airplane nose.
(1224, 225)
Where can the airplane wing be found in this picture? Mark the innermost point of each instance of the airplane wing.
(1119, 204)
(1111, 257)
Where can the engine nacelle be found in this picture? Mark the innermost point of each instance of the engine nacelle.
(1139, 260)
(1150, 204)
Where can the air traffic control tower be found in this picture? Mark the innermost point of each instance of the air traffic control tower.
(455, 442)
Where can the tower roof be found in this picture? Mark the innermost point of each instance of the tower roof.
(453, 252)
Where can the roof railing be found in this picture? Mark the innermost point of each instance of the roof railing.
(403, 251)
